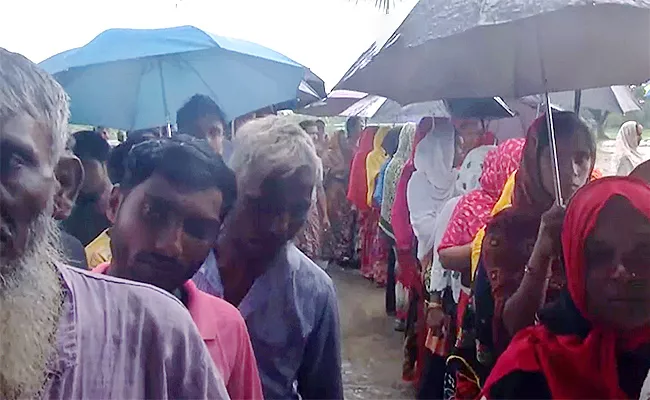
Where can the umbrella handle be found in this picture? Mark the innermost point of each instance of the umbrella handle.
(559, 199)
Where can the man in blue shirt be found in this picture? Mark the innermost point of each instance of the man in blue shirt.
(288, 302)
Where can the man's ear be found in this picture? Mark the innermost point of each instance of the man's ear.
(70, 175)
(114, 202)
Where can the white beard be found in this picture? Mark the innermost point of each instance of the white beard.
(30, 304)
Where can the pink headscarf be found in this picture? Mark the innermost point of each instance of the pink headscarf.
(400, 217)
(474, 209)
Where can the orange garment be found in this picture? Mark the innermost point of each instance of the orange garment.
(225, 334)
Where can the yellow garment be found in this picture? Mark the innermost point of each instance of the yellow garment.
(375, 160)
(99, 250)
(504, 202)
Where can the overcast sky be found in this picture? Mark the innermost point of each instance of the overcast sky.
(324, 35)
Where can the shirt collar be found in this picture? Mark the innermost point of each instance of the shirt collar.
(198, 304)
(269, 285)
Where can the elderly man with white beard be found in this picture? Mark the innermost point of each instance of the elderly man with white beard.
(67, 333)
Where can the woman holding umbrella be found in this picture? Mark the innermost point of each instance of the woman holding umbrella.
(518, 289)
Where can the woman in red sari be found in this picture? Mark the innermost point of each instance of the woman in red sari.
(358, 193)
(594, 342)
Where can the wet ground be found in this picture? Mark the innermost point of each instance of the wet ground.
(372, 349)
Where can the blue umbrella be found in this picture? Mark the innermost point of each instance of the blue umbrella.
(134, 79)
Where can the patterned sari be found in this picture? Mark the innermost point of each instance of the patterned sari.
(338, 244)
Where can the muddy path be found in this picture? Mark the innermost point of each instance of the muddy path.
(372, 349)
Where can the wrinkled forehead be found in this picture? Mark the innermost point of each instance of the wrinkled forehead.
(23, 133)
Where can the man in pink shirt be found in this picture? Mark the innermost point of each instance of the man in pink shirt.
(166, 212)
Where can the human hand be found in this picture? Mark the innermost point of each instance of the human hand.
(548, 241)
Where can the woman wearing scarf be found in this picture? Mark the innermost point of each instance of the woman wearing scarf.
(626, 154)
(338, 246)
(431, 186)
(373, 245)
(516, 292)
(594, 342)
(443, 289)
(408, 276)
(393, 172)
(473, 210)
(358, 183)
(358, 190)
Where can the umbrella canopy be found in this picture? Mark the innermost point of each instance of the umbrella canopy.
(335, 103)
(350, 103)
(133, 79)
(310, 90)
(509, 48)
(615, 99)
(392, 112)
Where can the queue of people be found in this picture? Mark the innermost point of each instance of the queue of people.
(158, 270)
(486, 275)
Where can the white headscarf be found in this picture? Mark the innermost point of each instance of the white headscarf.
(468, 180)
(471, 170)
(440, 278)
(626, 154)
(431, 185)
(645, 390)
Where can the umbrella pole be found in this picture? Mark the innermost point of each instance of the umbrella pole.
(553, 146)
(577, 99)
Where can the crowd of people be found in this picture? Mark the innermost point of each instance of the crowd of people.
(153, 269)
(483, 270)
(195, 266)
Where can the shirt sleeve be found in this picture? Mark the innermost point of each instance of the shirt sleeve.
(319, 376)
(244, 382)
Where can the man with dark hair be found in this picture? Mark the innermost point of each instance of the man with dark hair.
(320, 124)
(166, 213)
(202, 118)
(88, 217)
(310, 126)
(353, 127)
(98, 251)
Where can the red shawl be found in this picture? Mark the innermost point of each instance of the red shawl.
(358, 184)
(474, 209)
(575, 368)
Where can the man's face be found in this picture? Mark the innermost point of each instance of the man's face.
(265, 218)
(27, 183)
(161, 232)
(95, 177)
(313, 132)
(211, 128)
(70, 174)
(321, 128)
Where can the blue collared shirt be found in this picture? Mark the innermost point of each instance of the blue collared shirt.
(292, 317)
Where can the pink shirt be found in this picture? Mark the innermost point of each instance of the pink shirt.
(225, 334)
